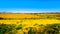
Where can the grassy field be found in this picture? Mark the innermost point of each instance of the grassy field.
(29, 20)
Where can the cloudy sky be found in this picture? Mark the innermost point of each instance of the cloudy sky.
(29, 6)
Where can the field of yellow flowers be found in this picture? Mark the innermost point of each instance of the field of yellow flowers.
(29, 20)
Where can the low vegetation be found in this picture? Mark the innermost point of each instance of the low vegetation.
(29, 23)
(40, 29)
(9, 28)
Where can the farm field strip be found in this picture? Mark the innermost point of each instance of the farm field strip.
(31, 22)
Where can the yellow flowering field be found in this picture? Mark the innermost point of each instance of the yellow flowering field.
(29, 20)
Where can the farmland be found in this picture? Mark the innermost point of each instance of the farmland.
(29, 20)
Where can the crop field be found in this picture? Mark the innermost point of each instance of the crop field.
(30, 23)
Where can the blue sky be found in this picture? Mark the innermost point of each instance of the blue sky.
(29, 6)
